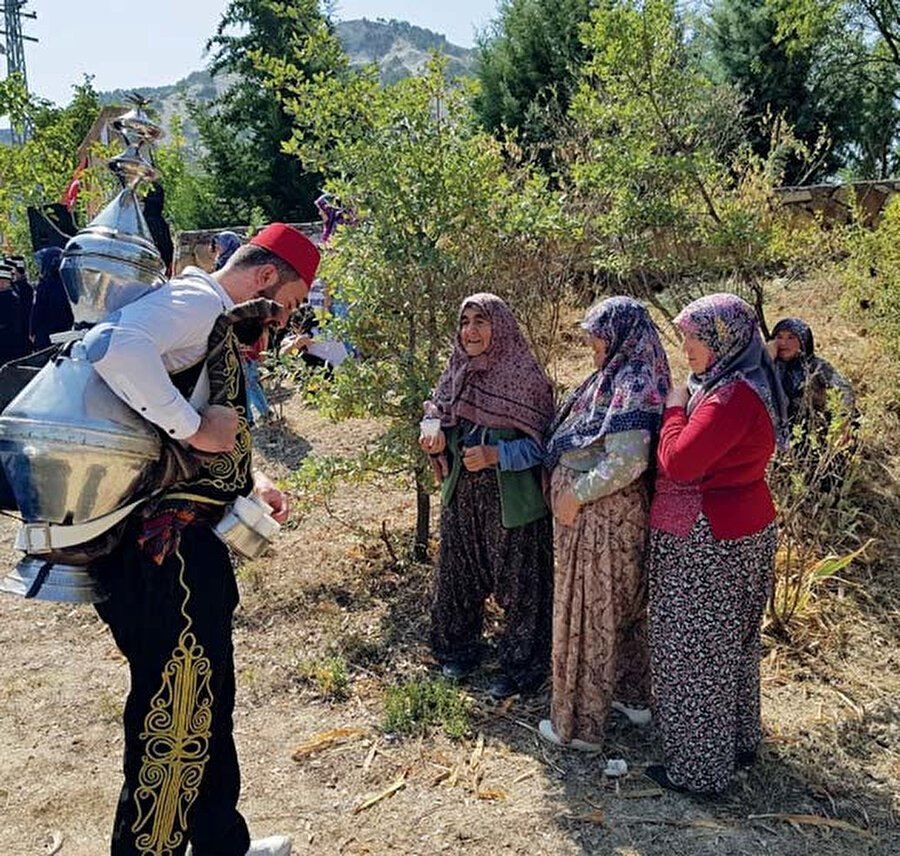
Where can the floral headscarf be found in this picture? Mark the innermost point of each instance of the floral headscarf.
(728, 326)
(627, 393)
(505, 387)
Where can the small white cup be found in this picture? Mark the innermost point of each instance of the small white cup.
(429, 428)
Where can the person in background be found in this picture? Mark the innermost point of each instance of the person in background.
(154, 202)
(24, 292)
(806, 378)
(256, 396)
(491, 408)
(332, 214)
(598, 452)
(52, 312)
(224, 246)
(13, 340)
(712, 546)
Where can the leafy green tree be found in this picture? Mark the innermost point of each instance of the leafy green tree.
(244, 130)
(858, 45)
(670, 199)
(439, 212)
(806, 84)
(528, 64)
(191, 192)
(38, 171)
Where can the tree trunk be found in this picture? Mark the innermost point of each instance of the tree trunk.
(423, 518)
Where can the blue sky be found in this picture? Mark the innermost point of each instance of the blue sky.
(127, 45)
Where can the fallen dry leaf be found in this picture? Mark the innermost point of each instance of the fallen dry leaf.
(326, 739)
(492, 794)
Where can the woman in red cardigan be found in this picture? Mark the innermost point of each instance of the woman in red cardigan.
(712, 546)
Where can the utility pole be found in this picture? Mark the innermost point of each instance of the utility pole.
(15, 50)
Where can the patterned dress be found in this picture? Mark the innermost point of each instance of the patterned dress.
(598, 450)
(599, 610)
(712, 548)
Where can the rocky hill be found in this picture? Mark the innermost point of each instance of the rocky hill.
(397, 47)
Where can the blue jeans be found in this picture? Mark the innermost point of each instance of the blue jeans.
(256, 398)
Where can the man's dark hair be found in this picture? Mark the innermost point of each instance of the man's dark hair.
(250, 255)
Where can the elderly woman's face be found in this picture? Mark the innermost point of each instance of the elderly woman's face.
(475, 331)
(787, 344)
(699, 356)
(598, 346)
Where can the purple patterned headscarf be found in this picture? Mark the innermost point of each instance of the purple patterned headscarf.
(728, 326)
(505, 387)
(627, 393)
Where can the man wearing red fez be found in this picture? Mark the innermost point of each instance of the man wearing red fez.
(173, 356)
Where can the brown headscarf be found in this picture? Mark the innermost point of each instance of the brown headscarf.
(505, 387)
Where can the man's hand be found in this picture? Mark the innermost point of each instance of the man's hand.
(218, 430)
(566, 508)
(294, 344)
(267, 491)
(478, 458)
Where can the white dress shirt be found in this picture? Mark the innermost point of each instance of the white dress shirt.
(164, 331)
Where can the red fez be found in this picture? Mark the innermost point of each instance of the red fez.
(291, 246)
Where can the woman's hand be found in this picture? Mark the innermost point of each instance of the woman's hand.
(566, 508)
(678, 396)
(772, 348)
(434, 445)
(478, 458)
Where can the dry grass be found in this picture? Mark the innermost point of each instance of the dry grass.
(831, 702)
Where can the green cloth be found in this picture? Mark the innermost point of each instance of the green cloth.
(521, 496)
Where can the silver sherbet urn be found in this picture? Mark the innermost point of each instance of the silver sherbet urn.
(77, 458)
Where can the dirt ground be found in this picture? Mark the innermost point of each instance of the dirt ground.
(828, 782)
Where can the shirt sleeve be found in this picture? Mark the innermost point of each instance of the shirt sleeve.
(521, 454)
(627, 454)
(127, 352)
(689, 447)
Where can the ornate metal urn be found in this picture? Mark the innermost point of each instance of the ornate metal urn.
(77, 458)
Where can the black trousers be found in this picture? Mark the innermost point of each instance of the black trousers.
(173, 624)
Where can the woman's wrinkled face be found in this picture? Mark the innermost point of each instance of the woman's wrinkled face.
(699, 356)
(598, 346)
(788, 345)
(475, 331)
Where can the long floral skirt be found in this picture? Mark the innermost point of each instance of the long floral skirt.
(707, 599)
(478, 557)
(599, 611)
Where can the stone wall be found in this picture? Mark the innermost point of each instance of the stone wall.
(194, 247)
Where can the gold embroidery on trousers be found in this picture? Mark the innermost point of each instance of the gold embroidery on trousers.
(176, 736)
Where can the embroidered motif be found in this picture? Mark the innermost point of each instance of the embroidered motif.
(176, 736)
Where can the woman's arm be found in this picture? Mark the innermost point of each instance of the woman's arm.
(627, 454)
(689, 447)
(521, 454)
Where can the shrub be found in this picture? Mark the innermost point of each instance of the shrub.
(413, 706)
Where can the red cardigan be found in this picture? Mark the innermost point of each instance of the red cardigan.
(715, 461)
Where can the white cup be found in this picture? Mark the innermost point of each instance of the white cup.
(429, 428)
